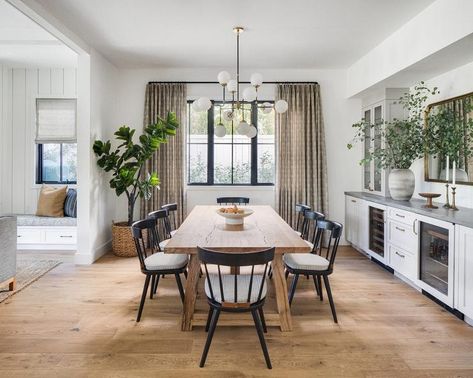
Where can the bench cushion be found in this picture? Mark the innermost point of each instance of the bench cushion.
(34, 220)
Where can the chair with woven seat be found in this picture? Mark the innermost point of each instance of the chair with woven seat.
(154, 263)
(318, 263)
(236, 292)
(233, 200)
(300, 210)
(171, 218)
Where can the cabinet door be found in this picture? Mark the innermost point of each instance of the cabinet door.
(464, 270)
(377, 172)
(367, 173)
(351, 222)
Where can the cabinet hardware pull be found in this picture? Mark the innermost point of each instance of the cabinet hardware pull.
(400, 229)
(400, 216)
(65, 236)
(414, 226)
(397, 253)
(353, 201)
(19, 236)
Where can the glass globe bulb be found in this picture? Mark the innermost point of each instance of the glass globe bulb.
(220, 131)
(223, 77)
(243, 128)
(232, 85)
(249, 94)
(195, 106)
(267, 108)
(281, 106)
(204, 103)
(256, 79)
(251, 132)
(228, 115)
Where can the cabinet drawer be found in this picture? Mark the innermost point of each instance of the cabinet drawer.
(28, 236)
(61, 236)
(403, 262)
(402, 236)
(401, 216)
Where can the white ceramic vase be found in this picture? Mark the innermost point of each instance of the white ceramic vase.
(401, 184)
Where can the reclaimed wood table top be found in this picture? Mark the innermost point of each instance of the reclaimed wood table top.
(203, 227)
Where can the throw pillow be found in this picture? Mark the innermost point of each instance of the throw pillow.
(51, 201)
(70, 204)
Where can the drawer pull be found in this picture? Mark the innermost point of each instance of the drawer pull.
(353, 201)
(400, 229)
(19, 236)
(400, 215)
(65, 236)
(397, 253)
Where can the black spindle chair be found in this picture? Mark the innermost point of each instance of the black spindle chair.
(300, 210)
(233, 200)
(171, 219)
(318, 263)
(154, 263)
(236, 292)
(163, 230)
(309, 227)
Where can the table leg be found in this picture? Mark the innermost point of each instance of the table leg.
(281, 293)
(191, 292)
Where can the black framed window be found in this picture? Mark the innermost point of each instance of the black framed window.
(56, 163)
(233, 159)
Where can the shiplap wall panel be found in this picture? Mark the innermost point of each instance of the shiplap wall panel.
(18, 140)
(19, 90)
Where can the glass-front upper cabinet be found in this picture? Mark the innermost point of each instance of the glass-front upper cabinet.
(377, 110)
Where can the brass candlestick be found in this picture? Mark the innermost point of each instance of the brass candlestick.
(454, 207)
(447, 204)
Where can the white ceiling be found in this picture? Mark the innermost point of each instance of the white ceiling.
(198, 33)
(24, 43)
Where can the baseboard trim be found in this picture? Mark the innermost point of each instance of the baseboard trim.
(54, 247)
(88, 259)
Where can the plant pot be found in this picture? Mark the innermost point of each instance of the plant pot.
(123, 244)
(401, 184)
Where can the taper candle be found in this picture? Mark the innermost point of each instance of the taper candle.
(454, 173)
(447, 169)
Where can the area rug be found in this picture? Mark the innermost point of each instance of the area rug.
(28, 270)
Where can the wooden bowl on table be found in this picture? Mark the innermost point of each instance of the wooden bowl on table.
(430, 197)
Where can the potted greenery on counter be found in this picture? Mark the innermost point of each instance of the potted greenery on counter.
(402, 141)
(125, 163)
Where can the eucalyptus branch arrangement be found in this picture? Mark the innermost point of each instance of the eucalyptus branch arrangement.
(398, 143)
(126, 162)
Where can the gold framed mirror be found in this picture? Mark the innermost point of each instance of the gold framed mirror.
(452, 123)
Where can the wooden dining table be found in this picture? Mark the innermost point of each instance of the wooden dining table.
(203, 227)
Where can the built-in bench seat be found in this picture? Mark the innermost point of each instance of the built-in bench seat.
(36, 232)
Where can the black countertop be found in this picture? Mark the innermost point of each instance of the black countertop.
(463, 217)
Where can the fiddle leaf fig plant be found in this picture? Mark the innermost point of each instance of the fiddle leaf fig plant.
(398, 143)
(126, 162)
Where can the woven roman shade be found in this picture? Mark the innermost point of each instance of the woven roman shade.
(55, 121)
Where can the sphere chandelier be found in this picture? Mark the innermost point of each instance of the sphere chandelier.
(250, 94)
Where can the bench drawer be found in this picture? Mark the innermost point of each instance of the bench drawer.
(28, 236)
(63, 236)
(403, 262)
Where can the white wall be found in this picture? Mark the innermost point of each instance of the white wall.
(453, 83)
(19, 89)
(339, 114)
(96, 199)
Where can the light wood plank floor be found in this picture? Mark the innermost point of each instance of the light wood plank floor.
(79, 321)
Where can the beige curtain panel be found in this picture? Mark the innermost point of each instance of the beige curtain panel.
(301, 155)
(168, 161)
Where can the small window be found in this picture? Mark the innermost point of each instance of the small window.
(56, 141)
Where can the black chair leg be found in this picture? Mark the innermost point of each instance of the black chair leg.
(259, 330)
(263, 321)
(330, 299)
(316, 284)
(143, 297)
(209, 318)
(210, 335)
(270, 272)
(156, 282)
(293, 288)
(179, 285)
(153, 280)
(185, 273)
(286, 274)
(319, 282)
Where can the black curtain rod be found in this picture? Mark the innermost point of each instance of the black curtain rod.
(241, 82)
